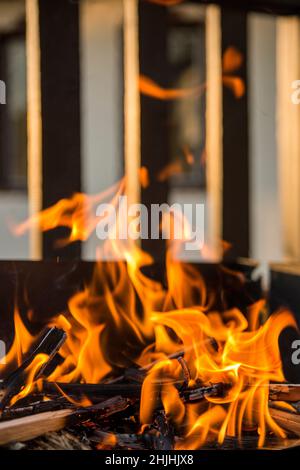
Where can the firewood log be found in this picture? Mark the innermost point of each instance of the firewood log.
(30, 427)
(287, 420)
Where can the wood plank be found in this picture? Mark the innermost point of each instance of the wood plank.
(132, 117)
(34, 123)
(214, 113)
(30, 427)
(288, 421)
(288, 123)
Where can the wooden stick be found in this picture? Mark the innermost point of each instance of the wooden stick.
(30, 427)
(35, 408)
(287, 420)
(199, 393)
(284, 392)
(160, 435)
(49, 343)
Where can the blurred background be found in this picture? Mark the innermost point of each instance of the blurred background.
(213, 117)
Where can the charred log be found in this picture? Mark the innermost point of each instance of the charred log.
(49, 343)
(30, 427)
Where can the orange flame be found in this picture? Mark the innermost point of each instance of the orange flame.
(123, 317)
(166, 2)
(232, 60)
(150, 88)
(75, 213)
(176, 167)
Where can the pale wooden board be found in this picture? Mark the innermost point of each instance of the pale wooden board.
(288, 421)
(30, 427)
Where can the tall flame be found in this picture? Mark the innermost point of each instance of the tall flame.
(124, 317)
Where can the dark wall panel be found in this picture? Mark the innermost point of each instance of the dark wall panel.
(154, 113)
(60, 89)
(235, 141)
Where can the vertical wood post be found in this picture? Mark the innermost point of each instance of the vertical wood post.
(34, 123)
(288, 135)
(214, 114)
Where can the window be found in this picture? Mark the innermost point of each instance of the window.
(13, 143)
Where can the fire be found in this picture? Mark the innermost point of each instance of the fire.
(150, 88)
(75, 213)
(23, 340)
(109, 440)
(174, 334)
(177, 167)
(244, 359)
(166, 2)
(231, 62)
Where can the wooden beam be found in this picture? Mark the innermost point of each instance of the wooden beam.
(288, 136)
(214, 128)
(132, 101)
(34, 123)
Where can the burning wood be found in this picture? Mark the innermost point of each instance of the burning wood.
(47, 346)
(160, 436)
(200, 393)
(92, 391)
(289, 421)
(284, 392)
(168, 382)
(192, 366)
(27, 428)
(30, 427)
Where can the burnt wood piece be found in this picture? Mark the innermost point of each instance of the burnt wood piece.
(108, 440)
(284, 392)
(287, 420)
(128, 390)
(160, 435)
(30, 427)
(49, 343)
(35, 408)
(199, 393)
(93, 390)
